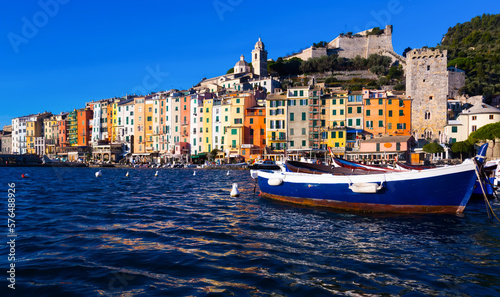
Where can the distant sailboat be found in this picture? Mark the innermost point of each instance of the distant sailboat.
(156, 174)
(127, 175)
(98, 173)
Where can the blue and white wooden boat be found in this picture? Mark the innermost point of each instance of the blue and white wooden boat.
(437, 190)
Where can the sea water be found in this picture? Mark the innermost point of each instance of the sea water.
(180, 234)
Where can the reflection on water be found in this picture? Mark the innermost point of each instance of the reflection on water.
(181, 235)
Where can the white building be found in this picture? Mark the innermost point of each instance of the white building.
(125, 124)
(470, 120)
(100, 120)
(19, 134)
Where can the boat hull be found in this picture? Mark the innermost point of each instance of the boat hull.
(441, 190)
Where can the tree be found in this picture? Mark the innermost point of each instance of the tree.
(213, 154)
(461, 147)
(230, 71)
(433, 148)
(406, 50)
(489, 132)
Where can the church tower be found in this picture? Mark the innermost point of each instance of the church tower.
(259, 59)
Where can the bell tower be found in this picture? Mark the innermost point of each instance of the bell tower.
(259, 59)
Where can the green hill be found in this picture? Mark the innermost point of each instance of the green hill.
(474, 46)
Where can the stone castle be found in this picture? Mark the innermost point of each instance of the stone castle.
(430, 83)
(360, 44)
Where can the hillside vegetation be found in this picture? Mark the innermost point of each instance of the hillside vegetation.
(474, 46)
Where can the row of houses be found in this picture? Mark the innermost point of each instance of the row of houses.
(187, 125)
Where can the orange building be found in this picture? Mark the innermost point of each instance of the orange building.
(254, 133)
(386, 115)
(184, 117)
(398, 116)
(83, 117)
(63, 132)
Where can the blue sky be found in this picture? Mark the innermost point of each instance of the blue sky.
(58, 54)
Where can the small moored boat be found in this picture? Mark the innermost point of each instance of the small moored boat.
(437, 190)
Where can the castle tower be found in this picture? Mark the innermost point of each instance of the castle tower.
(259, 59)
(427, 84)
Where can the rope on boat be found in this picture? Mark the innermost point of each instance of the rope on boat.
(487, 202)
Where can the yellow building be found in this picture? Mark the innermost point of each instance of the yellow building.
(276, 119)
(336, 133)
(237, 103)
(207, 144)
(148, 125)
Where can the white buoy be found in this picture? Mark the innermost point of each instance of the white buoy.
(127, 175)
(194, 172)
(227, 173)
(234, 191)
(98, 173)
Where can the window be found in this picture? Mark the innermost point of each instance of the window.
(234, 131)
(390, 113)
(303, 116)
(381, 123)
(474, 128)
(333, 134)
(358, 109)
(454, 129)
(301, 93)
(237, 100)
(368, 113)
(380, 101)
(367, 101)
(341, 134)
(303, 131)
(428, 67)
(292, 144)
(389, 101)
(334, 112)
(380, 112)
(251, 121)
(291, 117)
(303, 143)
(378, 147)
(349, 122)
(237, 110)
(474, 118)
(341, 112)
(341, 101)
(491, 117)
(349, 110)
(389, 125)
(358, 122)
(334, 101)
(295, 93)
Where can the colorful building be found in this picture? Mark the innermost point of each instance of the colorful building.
(83, 119)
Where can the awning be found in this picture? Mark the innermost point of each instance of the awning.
(354, 131)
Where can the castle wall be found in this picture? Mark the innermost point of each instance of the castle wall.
(427, 86)
(308, 53)
(359, 44)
